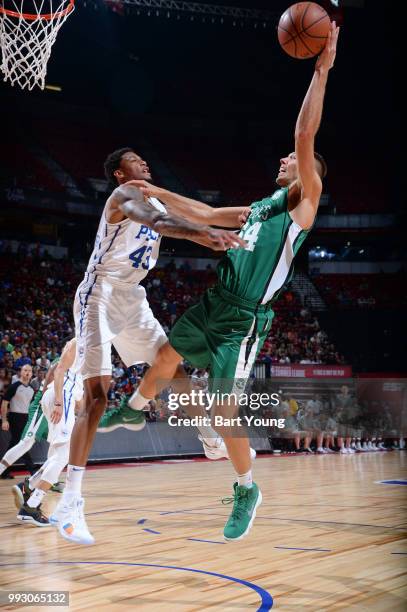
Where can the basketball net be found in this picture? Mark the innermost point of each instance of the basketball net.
(28, 29)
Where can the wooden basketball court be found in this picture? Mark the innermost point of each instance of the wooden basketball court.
(327, 537)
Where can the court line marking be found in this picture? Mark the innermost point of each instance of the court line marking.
(266, 598)
(209, 541)
(141, 521)
(399, 553)
(313, 549)
(197, 511)
(151, 530)
(394, 481)
(276, 518)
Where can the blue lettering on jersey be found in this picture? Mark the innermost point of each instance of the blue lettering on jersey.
(148, 233)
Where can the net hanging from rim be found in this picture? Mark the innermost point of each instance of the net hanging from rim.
(28, 29)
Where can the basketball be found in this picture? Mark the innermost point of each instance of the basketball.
(303, 29)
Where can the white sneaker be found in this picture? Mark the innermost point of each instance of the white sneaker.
(381, 446)
(70, 520)
(364, 447)
(321, 451)
(358, 447)
(344, 451)
(351, 451)
(369, 446)
(217, 449)
(328, 450)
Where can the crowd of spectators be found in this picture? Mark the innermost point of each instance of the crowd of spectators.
(366, 291)
(296, 336)
(338, 421)
(36, 300)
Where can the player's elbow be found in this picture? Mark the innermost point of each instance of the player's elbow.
(60, 369)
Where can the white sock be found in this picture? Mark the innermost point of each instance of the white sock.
(35, 479)
(3, 468)
(73, 487)
(36, 498)
(138, 401)
(245, 480)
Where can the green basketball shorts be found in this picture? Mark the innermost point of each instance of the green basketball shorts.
(37, 424)
(223, 333)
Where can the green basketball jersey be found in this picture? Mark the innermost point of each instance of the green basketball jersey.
(259, 272)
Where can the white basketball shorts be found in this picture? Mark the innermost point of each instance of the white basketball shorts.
(109, 313)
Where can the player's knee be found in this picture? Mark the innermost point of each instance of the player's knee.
(167, 356)
(180, 372)
(28, 442)
(95, 398)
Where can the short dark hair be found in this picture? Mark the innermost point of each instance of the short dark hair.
(112, 163)
(321, 160)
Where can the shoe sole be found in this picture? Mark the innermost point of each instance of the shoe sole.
(128, 426)
(31, 521)
(249, 526)
(71, 539)
(18, 497)
(253, 455)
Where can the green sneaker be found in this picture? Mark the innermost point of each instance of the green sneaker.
(246, 501)
(123, 416)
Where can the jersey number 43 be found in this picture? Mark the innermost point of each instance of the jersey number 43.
(141, 257)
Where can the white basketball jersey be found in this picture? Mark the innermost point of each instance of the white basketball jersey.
(73, 387)
(125, 251)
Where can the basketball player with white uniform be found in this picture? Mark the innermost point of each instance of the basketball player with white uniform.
(61, 399)
(111, 306)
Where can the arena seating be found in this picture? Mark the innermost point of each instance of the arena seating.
(36, 299)
(363, 290)
(26, 170)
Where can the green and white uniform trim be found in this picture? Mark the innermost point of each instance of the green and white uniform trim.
(37, 424)
(259, 272)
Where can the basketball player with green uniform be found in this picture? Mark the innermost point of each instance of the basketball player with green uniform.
(35, 430)
(226, 330)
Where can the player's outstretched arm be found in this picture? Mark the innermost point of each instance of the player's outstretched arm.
(66, 361)
(194, 210)
(306, 128)
(130, 200)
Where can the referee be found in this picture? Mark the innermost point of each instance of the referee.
(14, 413)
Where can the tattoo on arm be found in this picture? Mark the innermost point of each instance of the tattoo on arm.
(166, 225)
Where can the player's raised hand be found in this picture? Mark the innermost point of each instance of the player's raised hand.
(56, 413)
(221, 240)
(327, 58)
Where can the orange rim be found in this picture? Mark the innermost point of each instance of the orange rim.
(33, 17)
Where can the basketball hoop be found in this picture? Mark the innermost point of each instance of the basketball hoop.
(28, 29)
